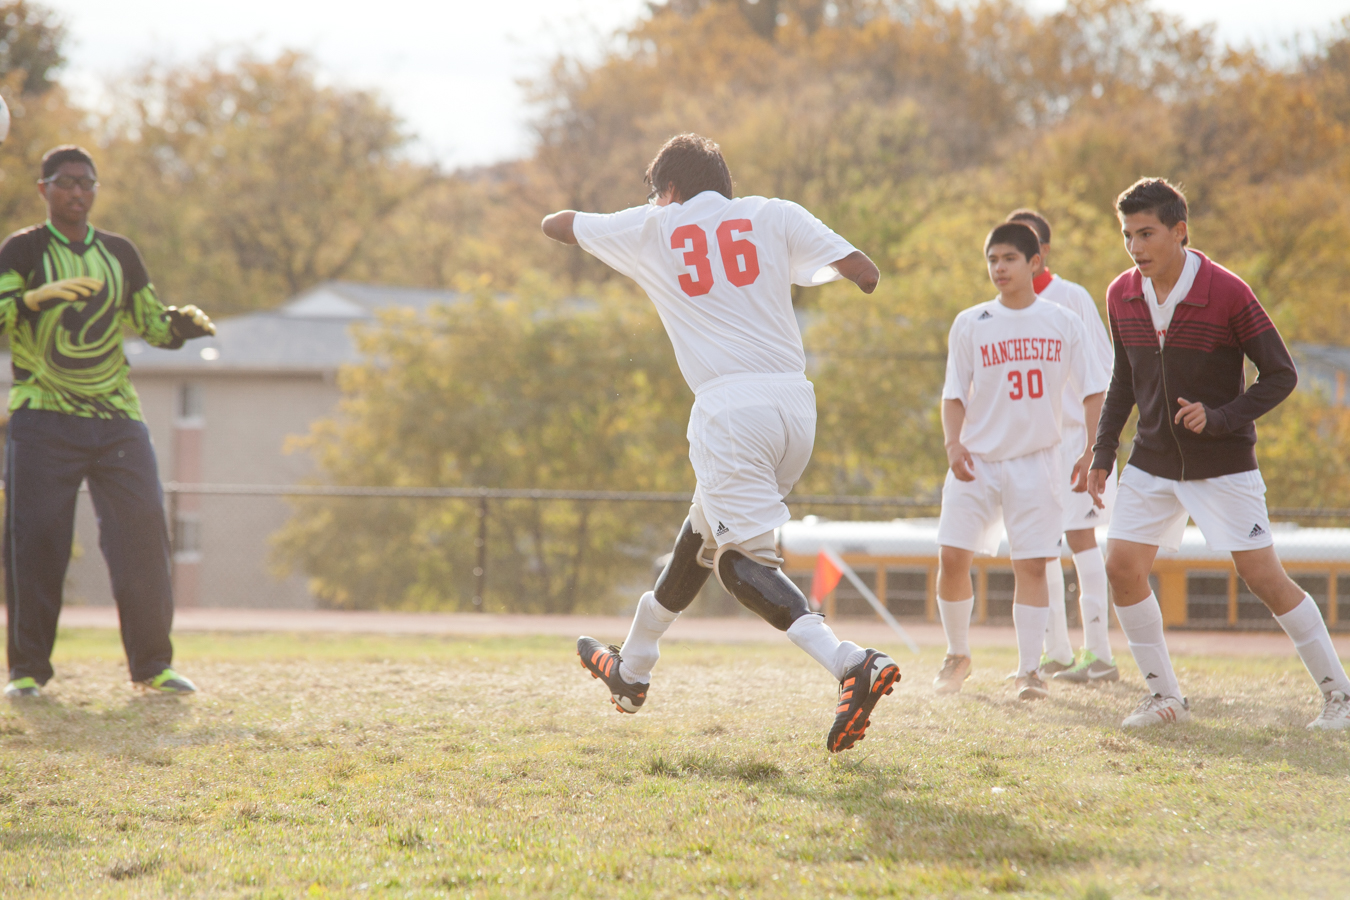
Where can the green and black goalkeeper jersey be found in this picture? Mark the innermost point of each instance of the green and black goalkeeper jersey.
(69, 358)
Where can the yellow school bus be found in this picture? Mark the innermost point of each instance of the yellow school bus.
(1196, 587)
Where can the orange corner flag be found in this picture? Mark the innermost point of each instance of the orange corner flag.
(826, 578)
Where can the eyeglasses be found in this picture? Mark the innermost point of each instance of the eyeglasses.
(68, 182)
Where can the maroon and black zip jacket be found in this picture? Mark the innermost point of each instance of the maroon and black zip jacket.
(1218, 323)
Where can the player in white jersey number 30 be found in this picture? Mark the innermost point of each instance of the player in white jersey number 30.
(1009, 362)
(720, 270)
(1082, 516)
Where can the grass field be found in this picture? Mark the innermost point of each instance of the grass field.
(387, 767)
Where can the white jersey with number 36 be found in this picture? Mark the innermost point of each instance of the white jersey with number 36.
(1010, 367)
(720, 273)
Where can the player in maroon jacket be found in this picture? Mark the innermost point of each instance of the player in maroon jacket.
(1182, 327)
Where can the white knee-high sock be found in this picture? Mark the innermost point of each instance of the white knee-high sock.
(640, 652)
(1143, 627)
(955, 616)
(817, 640)
(1306, 629)
(1057, 643)
(1092, 603)
(1030, 624)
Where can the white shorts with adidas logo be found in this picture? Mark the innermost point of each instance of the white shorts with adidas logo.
(1080, 512)
(750, 438)
(1023, 495)
(1230, 510)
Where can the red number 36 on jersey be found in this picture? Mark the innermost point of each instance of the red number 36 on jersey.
(740, 260)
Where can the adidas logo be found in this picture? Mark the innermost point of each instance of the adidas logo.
(1092, 514)
(985, 315)
(1096, 619)
(1325, 680)
(721, 529)
(1149, 675)
(1256, 531)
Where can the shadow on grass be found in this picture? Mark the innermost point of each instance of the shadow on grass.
(133, 729)
(903, 824)
(900, 823)
(1256, 744)
(1217, 730)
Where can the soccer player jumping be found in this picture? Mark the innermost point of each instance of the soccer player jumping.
(1182, 326)
(719, 270)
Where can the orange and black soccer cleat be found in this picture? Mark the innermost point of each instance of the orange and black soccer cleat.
(603, 662)
(862, 687)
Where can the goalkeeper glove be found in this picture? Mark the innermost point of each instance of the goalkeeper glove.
(189, 322)
(64, 291)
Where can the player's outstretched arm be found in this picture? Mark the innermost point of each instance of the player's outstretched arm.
(860, 270)
(559, 226)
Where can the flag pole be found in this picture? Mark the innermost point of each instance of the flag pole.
(871, 598)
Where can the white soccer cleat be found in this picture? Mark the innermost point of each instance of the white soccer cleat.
(1156, 710)
(1335, 714)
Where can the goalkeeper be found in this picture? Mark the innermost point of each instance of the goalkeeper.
(66, 291)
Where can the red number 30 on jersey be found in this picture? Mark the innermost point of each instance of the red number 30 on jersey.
(740, 260)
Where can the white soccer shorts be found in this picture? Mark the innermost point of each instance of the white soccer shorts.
(1080, 512)
(1230, 510)
(750, 438)
(1023, 493)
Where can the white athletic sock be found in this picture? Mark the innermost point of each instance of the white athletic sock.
(955, 616)
(640, 652)
(1143, 627)
(1057, 643)
(815, 638)
(1092, 602)
(1030, 624)
(1306, 629)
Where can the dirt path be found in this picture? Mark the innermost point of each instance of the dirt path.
(868, 632)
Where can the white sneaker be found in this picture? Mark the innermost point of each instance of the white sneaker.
(1335, 714)
(1156, 710)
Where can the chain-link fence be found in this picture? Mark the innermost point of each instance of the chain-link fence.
(558, 551)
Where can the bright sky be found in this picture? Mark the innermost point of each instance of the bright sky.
(451, 69)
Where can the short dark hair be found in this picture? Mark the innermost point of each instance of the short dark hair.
(1034, 219)
(1017, 235)
(58, 156)
(1155, 195)
(691, 164)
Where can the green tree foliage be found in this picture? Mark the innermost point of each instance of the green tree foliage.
(1302, 450)
(31, 39)
(529, 392)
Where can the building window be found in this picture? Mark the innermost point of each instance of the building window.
(190, 401)
(187, 538)
(1207, 598)
(907, 592)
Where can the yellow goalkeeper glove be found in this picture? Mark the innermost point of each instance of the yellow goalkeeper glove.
(189, 322)
(57, 292)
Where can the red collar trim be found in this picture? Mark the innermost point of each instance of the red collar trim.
(1042, 281)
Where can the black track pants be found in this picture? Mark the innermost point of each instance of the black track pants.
(47, 455)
